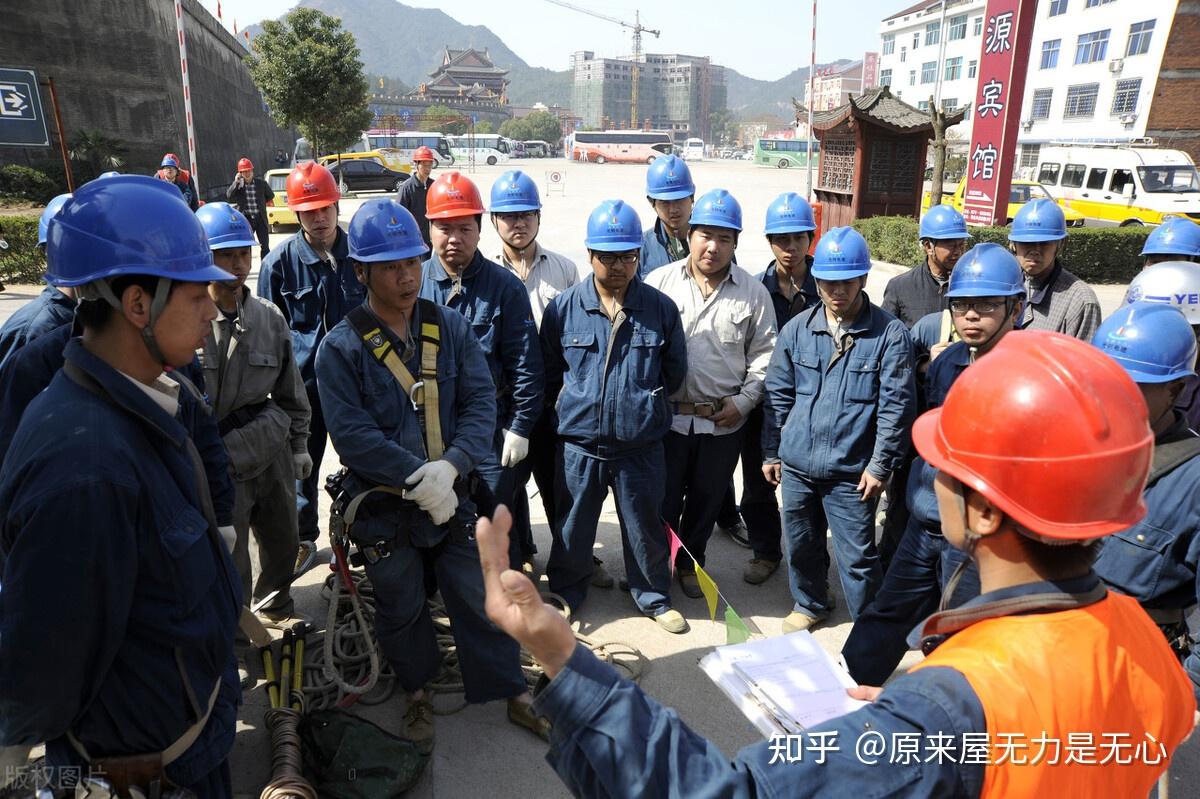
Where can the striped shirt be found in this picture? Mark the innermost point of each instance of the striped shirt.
(1062, 304)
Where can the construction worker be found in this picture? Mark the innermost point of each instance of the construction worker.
(413, 191)
(1175, 283)
(729, 327)
(985, 295)
(1049, 685)
(1176, 239)
(840, 397)
(426, 442)
(170, 171)
(919, 291)
(670, 192)
(252, 195)
(494, 301)
(516, 213)
(1055, 299)
(116, 580)
(614, 351)
(52, 308)
(789, 282)
(310, 278)
(1156, 561)
(262, 411)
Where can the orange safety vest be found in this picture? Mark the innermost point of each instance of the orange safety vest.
(1103, 671)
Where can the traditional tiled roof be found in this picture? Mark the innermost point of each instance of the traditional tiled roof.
(880, 107)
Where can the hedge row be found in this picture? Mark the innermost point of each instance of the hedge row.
(24, 183)
(21, 262)
(1093, 254)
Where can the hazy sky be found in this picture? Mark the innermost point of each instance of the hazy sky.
(757, 43)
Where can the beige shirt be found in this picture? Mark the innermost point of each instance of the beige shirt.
(549, 275)
(730, 337)
(164, 392)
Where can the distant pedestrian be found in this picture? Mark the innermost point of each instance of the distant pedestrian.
(251, 195)
(170, 171)
(412, 191)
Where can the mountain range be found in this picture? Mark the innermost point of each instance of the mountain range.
(427, 31)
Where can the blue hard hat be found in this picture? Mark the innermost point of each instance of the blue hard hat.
(1175, 236)
(613, 227)
(384, 230)
(717, 208)
(225, 226)
(52, 208)
(169, 161)
(514, 191)
(789, 213)
(841, 254)
(986, 270)
(112, 173)
(128, 225)
(1039, 220)
(669, 178)
(1153, 342)
(943, 222)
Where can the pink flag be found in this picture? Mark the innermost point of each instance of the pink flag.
(675, 544)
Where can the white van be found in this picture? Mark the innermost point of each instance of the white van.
(1121, 184)
(693, 150)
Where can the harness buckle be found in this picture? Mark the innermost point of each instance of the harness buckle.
(412, 395)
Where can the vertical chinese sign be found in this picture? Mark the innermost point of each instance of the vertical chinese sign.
(1003, 62)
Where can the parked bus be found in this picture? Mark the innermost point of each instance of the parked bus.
(398, 147)
(488, 148)
(784, 153)
(618, 146)
(693, 149)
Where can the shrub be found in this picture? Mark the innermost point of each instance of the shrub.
(21, 262)
(27, 184)
(1095, 255)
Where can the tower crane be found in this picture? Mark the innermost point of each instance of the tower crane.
(638, 29)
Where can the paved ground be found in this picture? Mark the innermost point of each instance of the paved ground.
(478, 753)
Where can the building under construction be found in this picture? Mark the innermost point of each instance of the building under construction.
(674, 92)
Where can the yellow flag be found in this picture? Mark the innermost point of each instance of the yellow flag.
(736, 631)
(709, 588)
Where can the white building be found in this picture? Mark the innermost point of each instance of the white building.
(1093, 65)
(832, 86)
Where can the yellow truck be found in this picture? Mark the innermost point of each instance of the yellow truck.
(1022, 191)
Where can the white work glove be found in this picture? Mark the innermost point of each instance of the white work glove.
(515, 449)
(302, 465)
(444, 511)
(431, 484)
(229, 536)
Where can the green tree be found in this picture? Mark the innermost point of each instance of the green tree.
(544, 126)
(311, 76)
(722, 127)
(443, 119)
(484, 126)
(515, 129)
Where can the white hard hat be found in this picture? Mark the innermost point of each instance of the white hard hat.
(1172, 282)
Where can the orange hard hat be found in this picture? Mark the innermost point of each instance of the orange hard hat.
(1051, 431)
(244, 163)
(423, 153)
(451, 195)
(311, 186)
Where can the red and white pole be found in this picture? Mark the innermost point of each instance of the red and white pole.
(187, 93)
(812, 71)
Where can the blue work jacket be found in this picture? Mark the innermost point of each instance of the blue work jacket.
(119, 600)
(39, 316)
(373, 425)
(832, 418)
(614, 377)
(31, 368)
(785, 309)
(654, 252)
(313, 296)
(496, 304)
(922, 502)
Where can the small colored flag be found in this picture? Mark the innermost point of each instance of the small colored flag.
(736, 631)
(675, 545)
(709, 589)
(218, 9)
(235, 26)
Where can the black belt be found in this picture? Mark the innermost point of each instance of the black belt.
(240, 418)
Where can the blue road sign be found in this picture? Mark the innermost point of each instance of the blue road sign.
(22, 122)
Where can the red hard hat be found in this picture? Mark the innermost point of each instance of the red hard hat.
(1051, 430)
(311, 186)
(423, 153)
(173, 157)
(244, 163)
(452, 195)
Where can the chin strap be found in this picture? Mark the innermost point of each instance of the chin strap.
(102, 290)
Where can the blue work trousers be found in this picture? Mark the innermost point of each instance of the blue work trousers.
(912, 588)
(543, 448)
(308, 490)
(498, 483)
(489, 659)
(852, 528)
(581, 485)
(699, 466)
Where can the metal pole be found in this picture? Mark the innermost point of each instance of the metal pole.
(187, 92)
(812, 71)
(62, 136)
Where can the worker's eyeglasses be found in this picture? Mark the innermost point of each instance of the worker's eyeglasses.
(958, 307)
(611, 258)
(521, 216)
(953, 245)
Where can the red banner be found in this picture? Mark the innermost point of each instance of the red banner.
(870, 71)
(1003, 62)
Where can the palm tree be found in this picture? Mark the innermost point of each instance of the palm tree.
(97, 150)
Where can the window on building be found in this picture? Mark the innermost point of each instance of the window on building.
(912, 77)
(949, 104)
(929, 72)
(1029, 155)
(1094, 3)
(966, 112)
(933, 33)
(977, 30)
(922, 105)
(1058, 7)
(972, 68)
(1040, 108)
(1091, 47)
(916, 39)
(889, 43)
(1081, 101)
(903, 54)
(1073, 175)
(885, 77)
(953, 68)
(1139, 37)
(1050, 53)
(1048, 174)
(958, 27)
(1125, 97)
